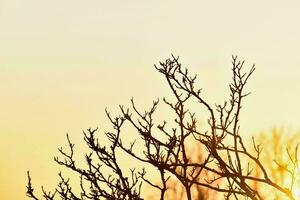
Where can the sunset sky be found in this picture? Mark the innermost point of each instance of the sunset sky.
(63, 62)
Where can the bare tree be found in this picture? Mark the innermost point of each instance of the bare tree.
(226, 165)
(281, 161)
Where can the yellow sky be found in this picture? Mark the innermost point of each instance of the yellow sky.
(62, 62)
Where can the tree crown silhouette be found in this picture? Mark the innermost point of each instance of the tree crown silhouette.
(225, 166)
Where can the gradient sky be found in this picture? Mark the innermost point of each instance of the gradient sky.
(62, 62)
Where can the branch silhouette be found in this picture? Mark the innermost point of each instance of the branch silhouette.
(226, 165)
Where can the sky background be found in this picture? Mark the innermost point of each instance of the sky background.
(63, 62)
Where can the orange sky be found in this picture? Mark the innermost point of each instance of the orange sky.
(63, 62)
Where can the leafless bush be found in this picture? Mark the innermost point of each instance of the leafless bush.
(226, 165)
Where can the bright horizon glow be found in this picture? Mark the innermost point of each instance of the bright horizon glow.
(62, 62)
